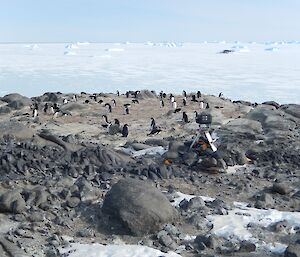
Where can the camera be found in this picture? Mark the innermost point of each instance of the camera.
(204, 119)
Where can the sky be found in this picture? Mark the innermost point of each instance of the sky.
(152, 20)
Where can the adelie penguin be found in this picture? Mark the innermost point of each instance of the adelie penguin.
(221, 94)
(198, 94)
(126, 110)
(184, 102)
(46, 106)
(125, 130)
(106, 122)
(153, 124)
(185, 118)
(108, 107)
(135, 101)
(118, 93)
(161, 103)
(184, 93)
(194, 98)
(117, 122)
(127, 94)
(207, 106)
(114, 102)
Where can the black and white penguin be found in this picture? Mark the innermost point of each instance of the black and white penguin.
(118, 93)
(117, 122)
(127, 94)
(194, 98)
(108, 107)
(75, 98)
(161, 94)
(86, 101)
(198, 94)
(154, 131)
(184, 93)
(114, 102)
(65, 101)
(135, 94)
(196, 114)
(185, 118)
(126, 109)
(35, 110)
(221, 94)
(164, 95)
(100, 101)
(125, 130)
(135, 101)
(184, 102)
(177, 110)
(161, 103)
(46, 106)
(207, 106)
(174, 105)
(106, 122)
(152, 124)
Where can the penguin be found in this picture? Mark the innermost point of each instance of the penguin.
(117, 122)
(184, 93)
(65, 101)
(107, 123)
(184, 102)
(172, 99)
(185, 118)
(100, 101)
(177, 110)
(153, 124)
(75, 98)
(56, 108)
(94, 96)
(135, 101)
(126, 110)
(52, 110)
(86, 101)
(154, 131)
(46, 106)
(35, 113)
(221, 94)
(136, 93)
(118, 93)
(161, 103)
(125, 130)
(196, 114)
(207, 106)
(161, 94)
(201, 104)
(194, 98)
(198, 94)
(174, 105)
(164, 95)
(114, 102)
(108, 107)
(127, 94)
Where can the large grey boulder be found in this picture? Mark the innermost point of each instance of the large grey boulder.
(138, 207)
(292, 109)
(16, 97)
(244, 126)
(12, 201)
(293, 250)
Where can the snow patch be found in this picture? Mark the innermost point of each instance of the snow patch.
(69, 53)
(272, 49)
(114, 49)
(98, 250)
(71, 46)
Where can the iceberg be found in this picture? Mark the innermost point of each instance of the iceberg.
(272, 49)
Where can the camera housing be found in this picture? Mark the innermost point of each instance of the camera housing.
(204, 119)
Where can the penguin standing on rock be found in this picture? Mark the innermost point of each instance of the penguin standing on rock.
(194, 98)
(114, 102)
(207, 106)
(185, 118)
(117, 122)
(46, 106)
(108, 107)
(184, 102)
(107, 123)
(118, 93)
(35, 110)
(184, 93)
(153, 124)
(161, 103)
(126, 108)
(198, 94)
(196, 114)
(125, 130)
(174, 105)
(221, 94)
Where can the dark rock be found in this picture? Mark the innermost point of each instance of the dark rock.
(272, 103)
(281, 188)
(292, 109)
(72, 202)
(16, 105)
(246, 246)
(138, 206)
(293, 250)
(4, 110)
(12, 201)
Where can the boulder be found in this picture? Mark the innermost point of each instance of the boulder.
(50, 97)
(272, 103)
(281, 188)
(146, 94)
(292, 109)
(138, 206)
(245, 126)
(4, 110)
(114, 129)
(293, 250)
(12, 201)
(16, 98)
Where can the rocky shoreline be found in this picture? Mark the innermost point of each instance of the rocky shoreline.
(57, 169)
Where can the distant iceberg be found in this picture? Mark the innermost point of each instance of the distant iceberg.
(114, 49)
(272, 49)
(71, 46)
(82, 43)
(69, 53)
(169, 44)
(32, 47)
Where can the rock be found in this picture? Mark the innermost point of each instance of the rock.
(281, 188)
(12, 201)
(170, 155)
(138, 206)
(85, 232)
(246, 246)
(72, 107)
(16, 98)
(139, 146)
(167, 241)
(144, 94)
(157, 142)
(244, 125)
(72, 202)
(193, 204)
(292, 109)
(50, 97)
(16, 105)
(114, 129)
(4, 110)
(293, 250)
(265, 201)
(272, 103)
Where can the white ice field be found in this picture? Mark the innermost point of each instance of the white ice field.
(255, 71)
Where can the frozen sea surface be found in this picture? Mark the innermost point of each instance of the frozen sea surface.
(251, 73)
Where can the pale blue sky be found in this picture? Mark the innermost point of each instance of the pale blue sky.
(153, 20)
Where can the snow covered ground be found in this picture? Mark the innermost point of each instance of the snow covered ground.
(255, 71)
(98, 250)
